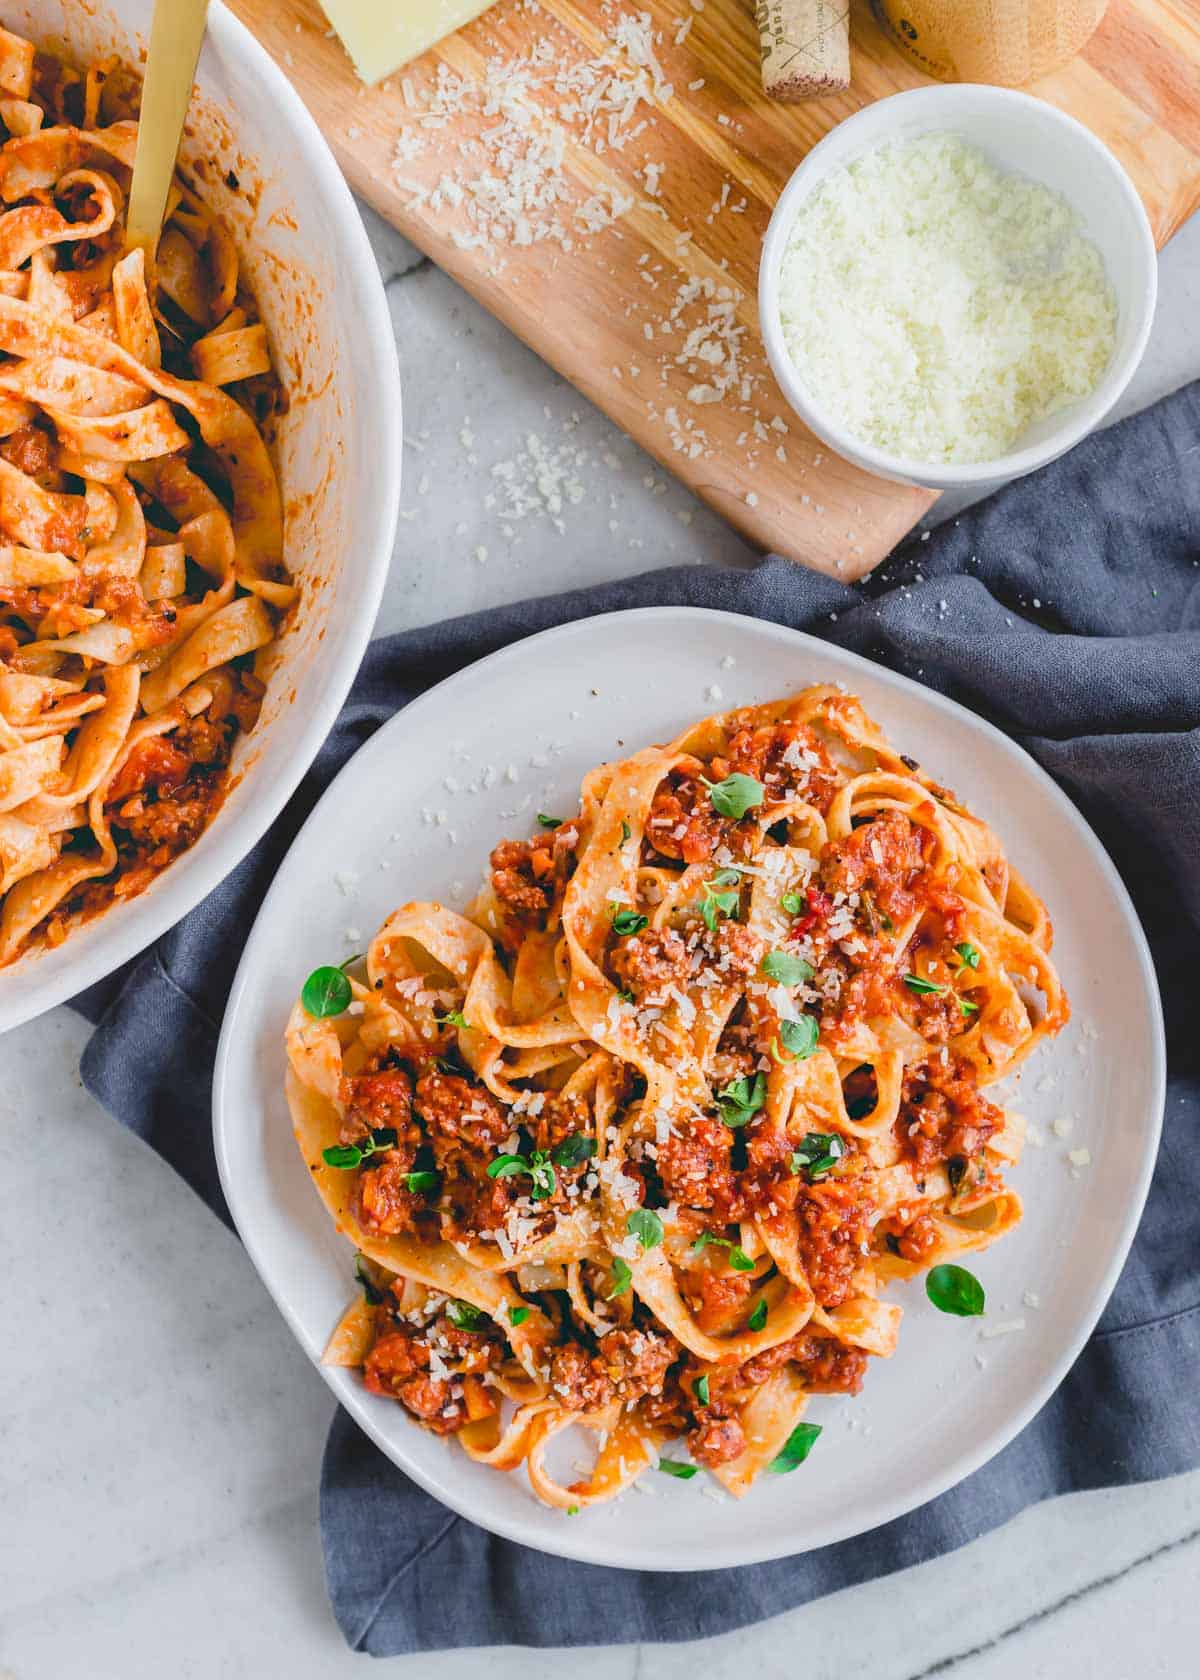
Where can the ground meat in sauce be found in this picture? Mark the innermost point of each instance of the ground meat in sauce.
(557, 1119)
(683, 824)
(377, 1099)
(374, 1101)
(768, 1180)
(398, 1367)
(165, 794)
(163, 797)
(938, 1015)
(914, 1240)
(835, 1229)
(628, 1365)
(474, 1205)
(716, 1297)
(467, 1128)
(788, 759)
(943, 1114)
(528, 876)
(737, 950)
(156, 762)
(694, 1164)
(462, 1120)
(170, 825)
(885, 858)
(829, 1368)
(866, 987)
(648, 964)
(385, 1204)
(716, 1440)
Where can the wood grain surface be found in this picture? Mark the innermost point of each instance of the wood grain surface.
(623, 311)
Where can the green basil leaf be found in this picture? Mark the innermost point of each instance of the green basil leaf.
(545, 1179)
(799, 1038)
(626, 922)
(343, 1156)
(548, 822)
(953, 1289)
(626, 997)
(646, 1226)
(325, 992)
(916, 983)
(795, 1449)
(701, 1389)
(518, 1315)
(741, 1099)
(507, 1166)
(574, 1150)
(452, 1018)
(422, 1183)
(758, 1317)
(738, 1258)
(371, 1291)
(967, 1007)
(718, 902)
(464, 1315)
(736, 795)
(622, 1277)
(968, 953)
(675, 1467)
(787, 969)
(817, 1152)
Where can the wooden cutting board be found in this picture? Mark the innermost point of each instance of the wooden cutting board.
(650, 325)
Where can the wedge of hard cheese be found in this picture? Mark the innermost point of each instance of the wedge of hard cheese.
(381, 36)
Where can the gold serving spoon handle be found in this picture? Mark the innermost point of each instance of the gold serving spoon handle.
(175, 37)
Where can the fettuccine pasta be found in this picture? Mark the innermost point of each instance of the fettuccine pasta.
(640, 1141)
(141, 533)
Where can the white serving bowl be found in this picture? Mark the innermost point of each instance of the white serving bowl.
(1018, 133)
(306, 258)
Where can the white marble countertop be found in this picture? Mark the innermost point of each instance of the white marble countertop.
(162, 1432)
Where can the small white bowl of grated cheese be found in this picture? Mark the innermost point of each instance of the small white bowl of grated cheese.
(956, 286)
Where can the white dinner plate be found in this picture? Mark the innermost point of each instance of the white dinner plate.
(415, 814)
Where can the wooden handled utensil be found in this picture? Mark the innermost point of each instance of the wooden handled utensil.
(175, 37)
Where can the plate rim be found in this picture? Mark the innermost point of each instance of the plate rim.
(595, 1546)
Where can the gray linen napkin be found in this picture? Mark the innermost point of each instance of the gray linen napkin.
(1067, 610)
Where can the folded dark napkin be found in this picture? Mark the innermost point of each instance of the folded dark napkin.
(1067, 610)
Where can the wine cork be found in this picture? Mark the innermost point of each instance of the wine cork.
(805, 47)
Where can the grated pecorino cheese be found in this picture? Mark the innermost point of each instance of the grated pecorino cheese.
(938, 306)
